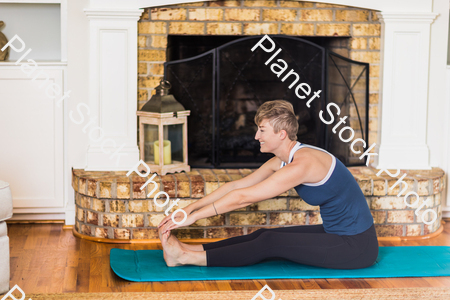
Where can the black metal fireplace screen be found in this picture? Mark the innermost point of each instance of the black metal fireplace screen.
(224, 87)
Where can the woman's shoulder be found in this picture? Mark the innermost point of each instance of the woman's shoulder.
(309, 151)
(312, 156)
(275, 163)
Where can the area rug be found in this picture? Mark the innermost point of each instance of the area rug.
(400, 261)
(341, 294)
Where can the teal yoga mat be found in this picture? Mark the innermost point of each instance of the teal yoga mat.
(402, 261)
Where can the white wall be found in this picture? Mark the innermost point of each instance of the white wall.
(38, 25)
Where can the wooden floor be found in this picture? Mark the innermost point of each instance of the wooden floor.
(47, 259)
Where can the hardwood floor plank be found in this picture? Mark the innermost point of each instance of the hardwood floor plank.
(259, 284)
(67, 240)
(437, 281)
(240, 285)
(44, 285)
(95, 282)
(224, 285)
(296, 285)
(13, 261)
(19, 229)
(72, 258)
(57, 284)
(279, 284)
(107, 279)
(32, 239)
(82, 278)
(96, 266)
(354, 283)
(70, 280)
(169, 286)
(31, 277)
(329, 283)
(17, 244)
(186, 286)
(210, 285)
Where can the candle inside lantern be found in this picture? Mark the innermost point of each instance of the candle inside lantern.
(167, 152)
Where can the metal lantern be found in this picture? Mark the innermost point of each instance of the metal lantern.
(163, 133)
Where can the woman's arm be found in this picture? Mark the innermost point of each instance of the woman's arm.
(223, 190)
(259, 175)
(284, 179)
(267, 169)
(214, 196)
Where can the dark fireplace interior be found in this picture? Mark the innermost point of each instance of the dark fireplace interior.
(222, 82)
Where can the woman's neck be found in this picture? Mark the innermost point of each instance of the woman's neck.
(286, 151)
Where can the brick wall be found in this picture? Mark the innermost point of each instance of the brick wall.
(244, 17)
(111, 205)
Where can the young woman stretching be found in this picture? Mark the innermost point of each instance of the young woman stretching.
(347, 237)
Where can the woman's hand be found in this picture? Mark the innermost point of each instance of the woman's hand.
(168, 225)
(178, 217)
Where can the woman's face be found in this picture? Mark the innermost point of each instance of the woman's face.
(268, 140)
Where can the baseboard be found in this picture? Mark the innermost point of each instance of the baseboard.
(445, 215)
(35, 221)
(39, 216)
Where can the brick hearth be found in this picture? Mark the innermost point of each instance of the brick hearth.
(111, 205)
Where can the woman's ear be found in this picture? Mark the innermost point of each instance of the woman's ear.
(283, 134)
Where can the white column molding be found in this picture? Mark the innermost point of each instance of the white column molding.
(405, 44)
(112, 89)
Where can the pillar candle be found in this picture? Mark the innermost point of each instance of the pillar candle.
(167, 152)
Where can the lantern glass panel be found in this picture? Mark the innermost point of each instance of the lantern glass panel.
(174, 134)
(150, 136)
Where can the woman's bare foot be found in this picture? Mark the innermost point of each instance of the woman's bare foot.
(172, 250)
(184, 245)
(190, 247)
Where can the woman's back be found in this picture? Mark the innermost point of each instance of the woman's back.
(343, 207)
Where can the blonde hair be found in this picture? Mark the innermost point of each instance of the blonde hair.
(281, 116)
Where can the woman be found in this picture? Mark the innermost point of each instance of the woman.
(347, 237)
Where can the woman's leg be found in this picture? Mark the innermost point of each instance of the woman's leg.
(250, 237)
(316, 249)
(245, 238)
(177, 253)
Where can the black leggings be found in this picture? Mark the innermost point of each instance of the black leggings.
(306, 244)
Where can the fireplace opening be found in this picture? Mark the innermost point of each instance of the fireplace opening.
(222, 82)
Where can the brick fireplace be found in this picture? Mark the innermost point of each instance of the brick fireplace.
(110, 206)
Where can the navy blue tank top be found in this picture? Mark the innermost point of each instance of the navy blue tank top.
(342, 204)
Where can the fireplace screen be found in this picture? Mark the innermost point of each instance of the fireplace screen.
(224, 87)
